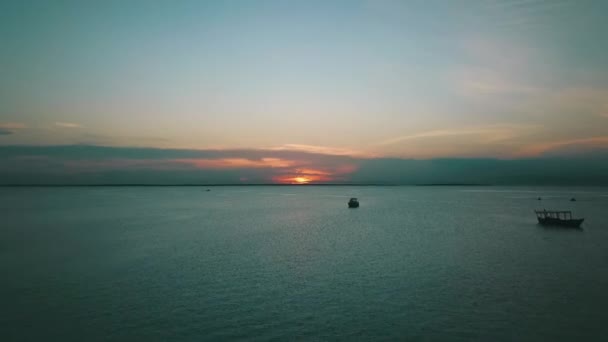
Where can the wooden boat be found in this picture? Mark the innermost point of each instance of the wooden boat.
(557, 218)
(353, 203)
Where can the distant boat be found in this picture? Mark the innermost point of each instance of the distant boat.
(573, 199)
(557, 218)
(353, 203)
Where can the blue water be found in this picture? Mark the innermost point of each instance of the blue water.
(277, 263)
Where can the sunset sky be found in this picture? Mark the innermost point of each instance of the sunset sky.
(300, 89)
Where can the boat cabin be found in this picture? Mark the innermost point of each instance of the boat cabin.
(559, 215)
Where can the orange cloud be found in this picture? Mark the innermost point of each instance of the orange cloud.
(246, 166)
(313, 172)
(540, 148)
(345, 169)
(237, 163)
(290, 171)
(12, 125)
(68, 125)
(315, 149)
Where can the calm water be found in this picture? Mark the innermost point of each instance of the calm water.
(274, 263)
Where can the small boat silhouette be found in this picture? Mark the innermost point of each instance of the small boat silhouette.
(353, 203)
(557, 218)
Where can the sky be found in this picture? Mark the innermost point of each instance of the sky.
(301, 91)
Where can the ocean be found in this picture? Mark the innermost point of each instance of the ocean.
(261, 263)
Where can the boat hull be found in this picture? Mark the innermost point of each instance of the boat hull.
(353, 205)
(549, 221)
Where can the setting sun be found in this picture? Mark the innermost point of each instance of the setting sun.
(303, 176)
(301, 180)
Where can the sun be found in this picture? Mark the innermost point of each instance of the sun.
(301, 180)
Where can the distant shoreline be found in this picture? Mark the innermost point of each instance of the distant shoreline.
(291, 185)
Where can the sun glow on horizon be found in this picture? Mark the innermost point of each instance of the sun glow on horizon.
(298, 179)
(301, 180)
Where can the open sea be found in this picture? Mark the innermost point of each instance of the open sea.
(294, 263)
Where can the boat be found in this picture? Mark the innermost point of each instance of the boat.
(557, 218)
(353, 203)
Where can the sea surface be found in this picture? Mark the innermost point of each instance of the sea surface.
(294, 263)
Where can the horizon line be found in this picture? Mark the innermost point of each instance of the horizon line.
(293, 185)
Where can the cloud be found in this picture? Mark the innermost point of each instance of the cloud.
(12, 125)
(485, 134)
(9, 128)
(68, 125)
(580, 143)
(316, 149)
(257, 166)
(529, 171)
(81, 164)
(88, 138)
(236, 163)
